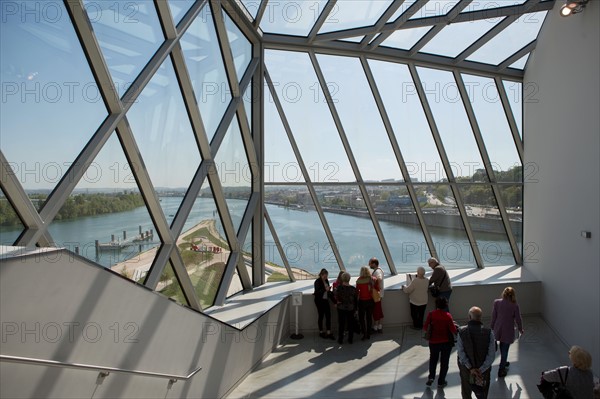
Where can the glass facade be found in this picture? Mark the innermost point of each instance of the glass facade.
(181, 147)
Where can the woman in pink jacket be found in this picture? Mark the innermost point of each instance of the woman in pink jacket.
(505, 315)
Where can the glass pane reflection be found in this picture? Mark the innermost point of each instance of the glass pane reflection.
(129, 33)
(203, 57)
(162, 130)
(48, 91)
(516, 36)
(179, 8)
(300, 94)
(241, 48)
(235, 173)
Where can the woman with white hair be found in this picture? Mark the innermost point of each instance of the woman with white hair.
(577, 378)
(417, 297)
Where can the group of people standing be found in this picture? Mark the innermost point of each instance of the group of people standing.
(476, 345)
(363, 300)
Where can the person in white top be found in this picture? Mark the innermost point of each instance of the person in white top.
(377, 310)
(418, 295)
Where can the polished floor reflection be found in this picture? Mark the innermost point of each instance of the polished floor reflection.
(393, 365)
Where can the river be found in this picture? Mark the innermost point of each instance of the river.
(300, 232)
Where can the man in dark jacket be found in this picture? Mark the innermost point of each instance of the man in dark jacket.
(475, 349)
(440, 279)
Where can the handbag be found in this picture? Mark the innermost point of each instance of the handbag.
(376, 295)
(555, 390)
(435, 291)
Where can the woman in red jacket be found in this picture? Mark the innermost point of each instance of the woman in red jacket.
(364, 287)
(441, 340)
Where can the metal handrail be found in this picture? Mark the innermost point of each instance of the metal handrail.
(104, 369)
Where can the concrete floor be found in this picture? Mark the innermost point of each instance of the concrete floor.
(392, 365)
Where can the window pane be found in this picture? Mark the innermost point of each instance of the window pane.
(512, 197)
(521, 62)
(361, 119)
(405, 38)
(247, 253)
(403, 7)
(169, 285)
(299, 230)
(179, 8)
(291, 17)
(494, 128)
(408, 120)
(435, 8)
(280, 163)
(10, 223)
(204, 247)
(105, 219)
(514, 92)
(490, 4)
(445, 226)
(305, 107)
(252, 6)
(486, 224)
(452, 122)
(351, 226)
(162, 130)
(516, 36)
(455, 38)
(400, 225)
(241, 48)
(348, 14)
(234, 173)
(128, 33)
(48, 91)
(203, 57)
(249, 100)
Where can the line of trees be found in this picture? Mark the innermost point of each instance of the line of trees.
(76, 206)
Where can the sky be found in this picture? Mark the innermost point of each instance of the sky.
(51, 106)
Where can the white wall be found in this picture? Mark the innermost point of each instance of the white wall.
(561, 136)
(58, 307)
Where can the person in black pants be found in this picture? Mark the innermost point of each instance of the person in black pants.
(322, 294)
(441, 340)
(346, 306)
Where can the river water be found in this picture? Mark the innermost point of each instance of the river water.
(300, 232)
